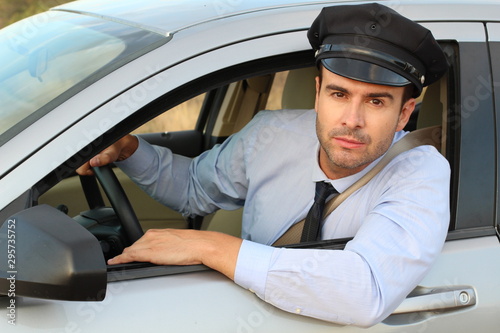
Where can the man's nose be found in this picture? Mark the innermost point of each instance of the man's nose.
(353, 116)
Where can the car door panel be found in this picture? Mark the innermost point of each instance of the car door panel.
(457, 269)
(244, 312)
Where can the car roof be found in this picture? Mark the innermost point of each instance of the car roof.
(169, 16)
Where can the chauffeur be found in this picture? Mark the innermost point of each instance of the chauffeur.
(373, 62)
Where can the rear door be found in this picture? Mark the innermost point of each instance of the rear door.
(463, 289)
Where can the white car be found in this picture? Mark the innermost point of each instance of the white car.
(78, 77)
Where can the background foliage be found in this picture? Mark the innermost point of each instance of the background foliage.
(15, 10)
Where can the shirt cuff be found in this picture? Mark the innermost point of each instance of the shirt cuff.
(137, 163)
(252, 266)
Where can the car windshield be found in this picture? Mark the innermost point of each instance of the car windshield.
(50, 57)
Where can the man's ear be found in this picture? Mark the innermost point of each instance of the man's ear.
(404, 115)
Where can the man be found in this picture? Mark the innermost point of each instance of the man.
(372, 63)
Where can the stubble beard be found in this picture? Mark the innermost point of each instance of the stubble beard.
(345, 158)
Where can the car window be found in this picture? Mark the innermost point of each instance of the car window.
(274, 102)
(182, 117)
(185, 116)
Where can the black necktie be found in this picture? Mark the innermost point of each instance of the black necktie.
(315, 214)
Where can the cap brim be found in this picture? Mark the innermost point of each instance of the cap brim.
(364, 71)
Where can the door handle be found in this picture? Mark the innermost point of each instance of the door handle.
(423, 299)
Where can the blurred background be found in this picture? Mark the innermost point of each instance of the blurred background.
(14, 10)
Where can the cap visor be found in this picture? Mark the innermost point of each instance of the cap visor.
(363, 71)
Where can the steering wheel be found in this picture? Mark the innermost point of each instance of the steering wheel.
(119, 201)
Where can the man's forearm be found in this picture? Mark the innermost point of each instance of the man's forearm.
(220, 252)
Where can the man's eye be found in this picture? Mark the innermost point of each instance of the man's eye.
(376, 102)
(338, 94)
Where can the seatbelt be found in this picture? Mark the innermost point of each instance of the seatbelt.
(425, 136)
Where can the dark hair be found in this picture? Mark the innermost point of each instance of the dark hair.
(408, 93)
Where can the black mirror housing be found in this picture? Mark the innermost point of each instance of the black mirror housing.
(46, 254)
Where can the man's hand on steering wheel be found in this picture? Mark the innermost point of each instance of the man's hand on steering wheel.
(119, 151)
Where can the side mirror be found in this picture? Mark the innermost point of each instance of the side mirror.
(46, 254)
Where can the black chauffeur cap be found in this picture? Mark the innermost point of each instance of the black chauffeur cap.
(375, 44)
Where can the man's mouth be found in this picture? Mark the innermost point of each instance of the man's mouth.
(348, 143)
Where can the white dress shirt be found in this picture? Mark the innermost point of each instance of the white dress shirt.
(399, 220)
